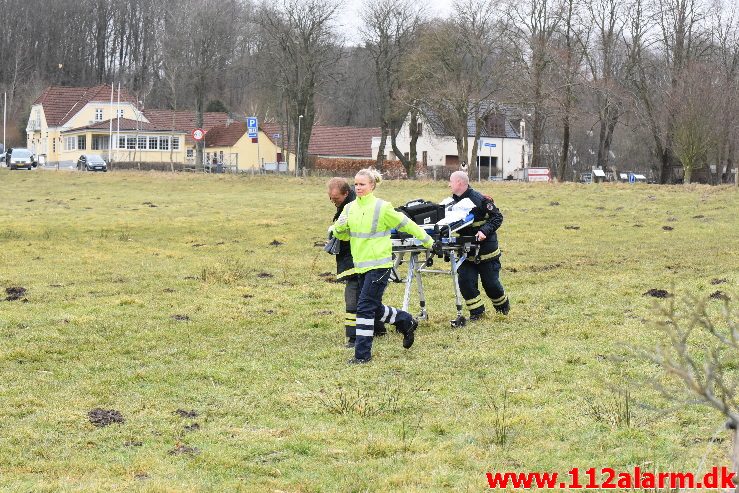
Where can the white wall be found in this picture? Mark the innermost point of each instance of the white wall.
(508, 151)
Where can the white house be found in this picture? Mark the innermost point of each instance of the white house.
(502, 145)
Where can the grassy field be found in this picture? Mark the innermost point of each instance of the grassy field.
(200, 309)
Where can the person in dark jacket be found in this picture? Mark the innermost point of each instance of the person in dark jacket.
(340, 194)
(486, 265)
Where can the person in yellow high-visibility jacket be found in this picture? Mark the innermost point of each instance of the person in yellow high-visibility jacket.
(367, 223)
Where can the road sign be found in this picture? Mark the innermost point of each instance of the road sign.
(252, 125)
(490, 144)
(632, 178)
(198, 134)
(537, 174)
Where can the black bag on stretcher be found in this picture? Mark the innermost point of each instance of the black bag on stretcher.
(422, 212)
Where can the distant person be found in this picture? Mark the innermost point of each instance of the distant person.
(486, 265)
(367, 223)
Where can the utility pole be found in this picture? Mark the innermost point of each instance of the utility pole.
(5, 111)
(297, 157)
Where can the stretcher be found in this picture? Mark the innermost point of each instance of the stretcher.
(419, 260)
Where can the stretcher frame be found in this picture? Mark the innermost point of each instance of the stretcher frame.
(453, 249)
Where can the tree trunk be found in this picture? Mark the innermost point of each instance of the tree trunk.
(564, 156)
(410, 162)
(381, 149)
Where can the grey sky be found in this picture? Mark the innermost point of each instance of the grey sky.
(350, 20)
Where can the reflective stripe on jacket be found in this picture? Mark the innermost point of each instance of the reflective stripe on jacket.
(366, 223)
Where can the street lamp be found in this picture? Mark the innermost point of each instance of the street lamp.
(297, 156)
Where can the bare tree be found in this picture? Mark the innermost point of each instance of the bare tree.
(604, 55)
(726, 59)
(533, 24)
(389, 32)
(459, 67)
(662, 46)
(700, 352)
(303, 45)
(572, 54)
(695, 129)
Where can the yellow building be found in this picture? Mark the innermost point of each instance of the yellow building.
(68, 121)
(133, 141)
(60, 109)
(230, 144)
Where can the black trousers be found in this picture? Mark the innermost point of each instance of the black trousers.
(488, 272)
(370, 311)
(351, 298)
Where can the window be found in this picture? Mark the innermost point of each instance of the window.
(53, 145)
(122, 142)
(164, 143)
(119, 113)
(220, 158)
(420, 129)
(130, 142)
(70, 143)
(142, 142)
(175, 143)
(99, 115)
(99, 143)
(153, 143)
(190, 153)
(82, 142)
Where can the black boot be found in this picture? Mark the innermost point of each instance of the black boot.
(359, 361)
(504, 308)
(409, 333)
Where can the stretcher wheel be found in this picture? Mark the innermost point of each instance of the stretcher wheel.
(429, 262)
(460, 321)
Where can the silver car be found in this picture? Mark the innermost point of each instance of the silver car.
(20, 158)
(91, 162)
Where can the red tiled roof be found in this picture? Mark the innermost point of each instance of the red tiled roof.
(225, 135)
(62, 103)
(124, 124)
(330, 141)
(342, 141)
(184, 120)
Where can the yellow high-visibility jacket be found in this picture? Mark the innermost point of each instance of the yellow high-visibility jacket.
(366, 223)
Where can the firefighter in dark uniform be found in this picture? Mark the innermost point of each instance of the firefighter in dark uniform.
(486, 265)
(340, 193)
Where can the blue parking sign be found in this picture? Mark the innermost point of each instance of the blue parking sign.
(252, 125)
(632, 178)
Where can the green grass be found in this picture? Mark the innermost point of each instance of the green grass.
(260, 358)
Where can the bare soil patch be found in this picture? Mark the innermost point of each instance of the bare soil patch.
(104, 417)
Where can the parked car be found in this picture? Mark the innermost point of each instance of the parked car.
(91, 162)
(21, 158)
